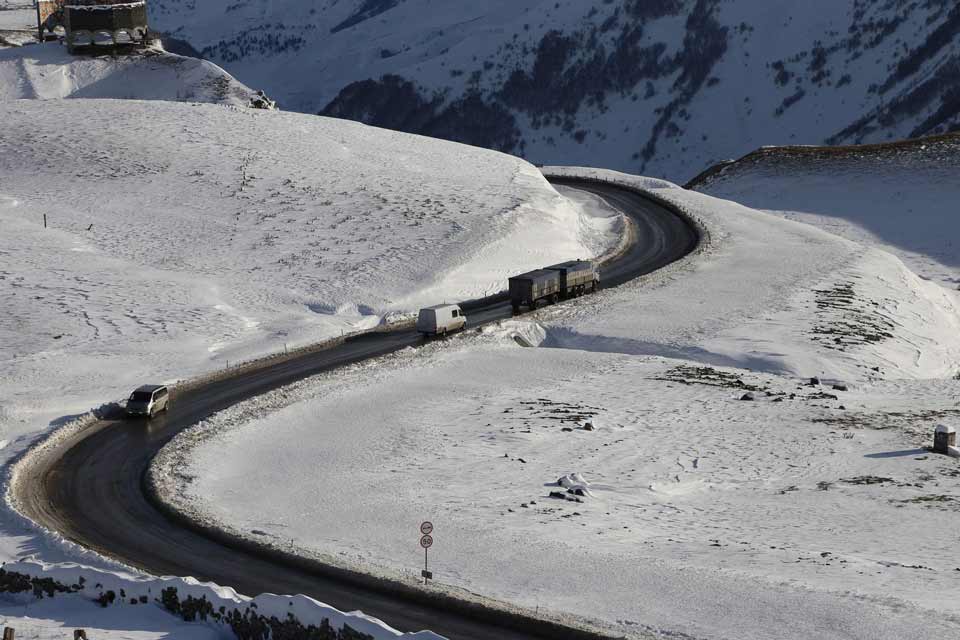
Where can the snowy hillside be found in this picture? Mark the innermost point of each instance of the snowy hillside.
(902, 196)
(660, 464)
(659, 87)
(193, 236)
(48, 72)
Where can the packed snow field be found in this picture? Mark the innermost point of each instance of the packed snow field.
(615, 473)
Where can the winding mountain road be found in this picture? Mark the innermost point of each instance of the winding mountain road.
(90, 488)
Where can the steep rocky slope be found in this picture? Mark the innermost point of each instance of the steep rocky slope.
(662, 87)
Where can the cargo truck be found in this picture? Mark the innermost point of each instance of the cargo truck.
(560, 281)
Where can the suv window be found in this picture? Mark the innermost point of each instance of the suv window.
(455, 313)
(160, 393)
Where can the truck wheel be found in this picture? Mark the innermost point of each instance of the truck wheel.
(516, 308)
(554, 299)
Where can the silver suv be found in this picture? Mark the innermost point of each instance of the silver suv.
(148, 400)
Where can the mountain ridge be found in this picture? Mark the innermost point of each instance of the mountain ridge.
(663, 87)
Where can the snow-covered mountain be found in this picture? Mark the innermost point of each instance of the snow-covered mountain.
(662, 87)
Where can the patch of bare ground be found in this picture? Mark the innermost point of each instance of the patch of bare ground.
(550, 413)
(909, 421)
(685, 374)
(846, 319)
(942, 502)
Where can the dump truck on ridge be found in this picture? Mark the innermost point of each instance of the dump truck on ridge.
(554, 283)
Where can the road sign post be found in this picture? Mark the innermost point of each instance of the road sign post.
(426, 541)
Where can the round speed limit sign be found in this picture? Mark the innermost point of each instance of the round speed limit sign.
(426, 528)
(426, 541)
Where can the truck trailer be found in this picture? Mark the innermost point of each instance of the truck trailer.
(577, 277)
(533, 286)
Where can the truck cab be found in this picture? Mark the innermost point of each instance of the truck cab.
(440, 320)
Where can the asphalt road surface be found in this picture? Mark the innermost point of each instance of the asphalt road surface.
(90, 488)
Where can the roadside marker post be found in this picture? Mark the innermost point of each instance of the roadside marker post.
(426, 541)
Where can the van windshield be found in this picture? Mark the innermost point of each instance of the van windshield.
(140, 396)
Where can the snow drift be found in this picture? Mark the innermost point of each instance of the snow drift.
(135, 592)
(48, 72)
(900, 196)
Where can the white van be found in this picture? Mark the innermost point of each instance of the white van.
(148, 400)
(441, 320)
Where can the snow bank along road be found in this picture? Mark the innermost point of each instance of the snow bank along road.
(89, 487)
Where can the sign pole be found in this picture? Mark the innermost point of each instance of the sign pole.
(426, 541)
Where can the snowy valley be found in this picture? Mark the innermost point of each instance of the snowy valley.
(733, 446)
